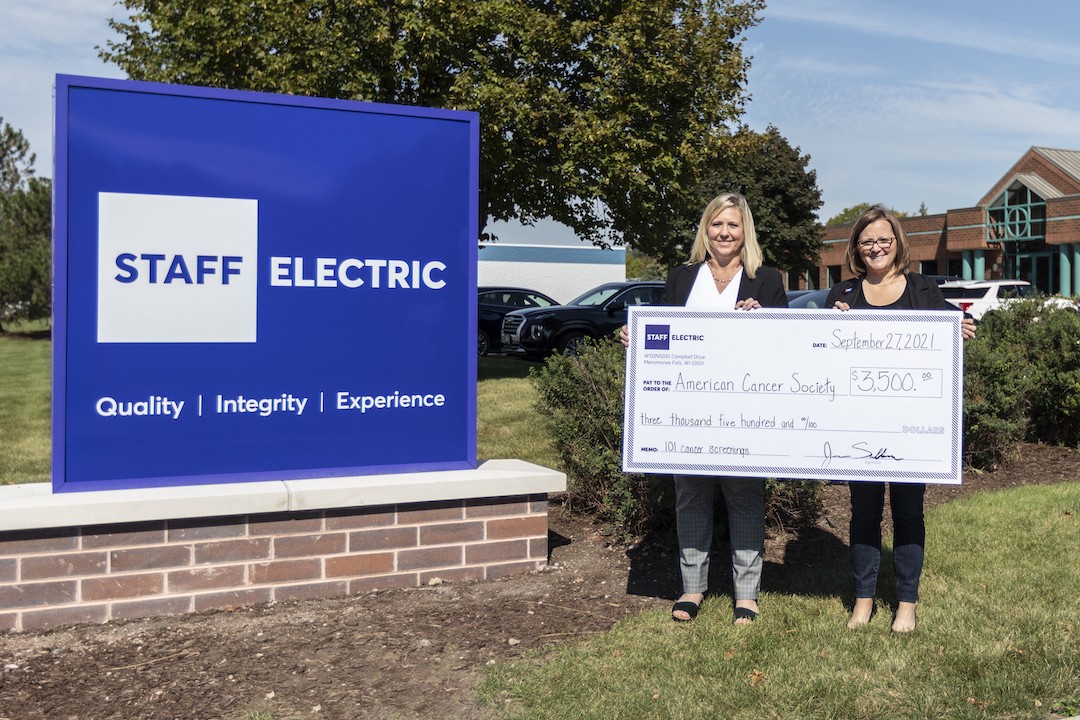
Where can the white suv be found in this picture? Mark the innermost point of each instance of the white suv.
(977, 297)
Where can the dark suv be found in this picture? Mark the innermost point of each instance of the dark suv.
(532, 334)
(492, 305)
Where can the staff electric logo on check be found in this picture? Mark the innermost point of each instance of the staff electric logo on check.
(184, 269)
(657, 337)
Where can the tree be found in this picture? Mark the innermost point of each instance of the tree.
(640, 266)
(26, 251)
(16, 160)
(851, 214)
(25, 232)
(782, 193)
(600, 114)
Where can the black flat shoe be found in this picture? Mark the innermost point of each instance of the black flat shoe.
(687, 607)
(742, 613)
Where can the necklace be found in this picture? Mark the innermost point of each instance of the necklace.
(717, 279)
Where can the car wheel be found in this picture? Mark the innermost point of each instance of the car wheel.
(483, 343)
(571, 342)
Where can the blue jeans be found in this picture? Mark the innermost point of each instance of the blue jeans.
(909, 536)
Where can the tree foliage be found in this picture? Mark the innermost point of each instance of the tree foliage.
(16, 160)
(781, 190)
(850, 214)
(640, 266)
(25, 232)
(26, 251)
(605, 115)
(782, 193)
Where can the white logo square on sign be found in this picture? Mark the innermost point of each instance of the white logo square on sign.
(177, 269)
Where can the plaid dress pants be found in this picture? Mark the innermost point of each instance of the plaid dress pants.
(745, 498)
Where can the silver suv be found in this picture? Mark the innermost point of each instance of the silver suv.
(978, 297)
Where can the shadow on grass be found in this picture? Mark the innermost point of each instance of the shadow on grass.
(27, 335)
(815, 565)
(500, 367)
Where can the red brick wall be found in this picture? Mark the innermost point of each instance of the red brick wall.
(99, 573)
(966, 229)
(1063, 220)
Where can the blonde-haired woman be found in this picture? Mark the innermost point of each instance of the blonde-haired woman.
(724, 272)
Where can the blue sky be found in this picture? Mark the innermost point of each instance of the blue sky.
(896, 102)
(916, 101)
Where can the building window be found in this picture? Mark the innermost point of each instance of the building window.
(834, 274)
(1018, 214)
(1016, 223)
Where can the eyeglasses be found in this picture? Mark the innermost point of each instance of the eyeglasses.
(883, 242)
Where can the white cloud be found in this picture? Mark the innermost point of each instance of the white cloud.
(972, 25)
(38, 40)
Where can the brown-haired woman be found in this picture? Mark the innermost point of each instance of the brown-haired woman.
(879, 255)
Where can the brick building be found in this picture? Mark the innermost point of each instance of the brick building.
(1027, 226)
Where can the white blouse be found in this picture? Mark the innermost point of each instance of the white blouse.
(705, 294)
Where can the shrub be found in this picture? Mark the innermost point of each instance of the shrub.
(793, 504)
(1052, 343)
(995, 399)
(1022, 381)
(582, 397)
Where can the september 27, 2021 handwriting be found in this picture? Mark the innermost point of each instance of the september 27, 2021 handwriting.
(795, 394)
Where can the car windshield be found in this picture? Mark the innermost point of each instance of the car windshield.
(538, 301)
(809, 300)
(963, 293)
(596, 296)
(1018, 291)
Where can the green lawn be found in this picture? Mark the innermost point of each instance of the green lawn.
(507, 423)
(508, 426)
(998, 637)
(25, 401)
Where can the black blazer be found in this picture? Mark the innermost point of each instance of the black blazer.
(767, 287)
(925, 294)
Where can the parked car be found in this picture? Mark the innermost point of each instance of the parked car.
(978, 297)
(808, 299)
(492, 305)
(536, 332)
(792, 294)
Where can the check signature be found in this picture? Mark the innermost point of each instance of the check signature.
(863, 453)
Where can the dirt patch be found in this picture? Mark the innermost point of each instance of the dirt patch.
(414, 653)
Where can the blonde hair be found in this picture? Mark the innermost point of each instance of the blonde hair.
(750, 255)
(854, 259)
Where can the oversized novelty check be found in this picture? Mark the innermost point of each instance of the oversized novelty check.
(795, 394)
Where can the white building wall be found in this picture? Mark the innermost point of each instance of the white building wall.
(560, 271)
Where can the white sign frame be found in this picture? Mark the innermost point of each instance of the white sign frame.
(862, 395)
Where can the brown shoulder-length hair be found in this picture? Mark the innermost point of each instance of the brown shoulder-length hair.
(903, 251)
(751, 255)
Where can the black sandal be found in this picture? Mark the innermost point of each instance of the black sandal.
(742, 613)
(690, 608)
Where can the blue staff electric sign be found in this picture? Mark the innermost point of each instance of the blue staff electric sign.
(258, 287)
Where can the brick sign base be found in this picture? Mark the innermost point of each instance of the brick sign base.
(94, 574)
